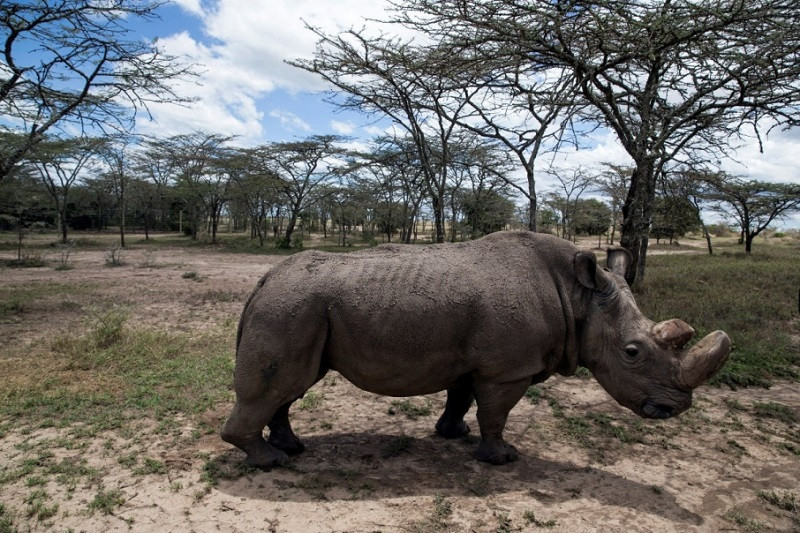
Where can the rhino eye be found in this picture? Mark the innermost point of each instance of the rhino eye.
(631, 350)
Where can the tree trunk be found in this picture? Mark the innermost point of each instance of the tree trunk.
(532, 200)
(438, 219)
(748, 242)
(290, 227)
(63, 221)
(122, 226)
(707, 236)
(636, 216)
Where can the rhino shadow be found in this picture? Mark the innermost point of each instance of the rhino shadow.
(371, 466)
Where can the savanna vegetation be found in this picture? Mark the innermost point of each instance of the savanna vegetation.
(110, 382)
(126, 260)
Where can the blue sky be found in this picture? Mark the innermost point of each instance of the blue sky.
(247, 90)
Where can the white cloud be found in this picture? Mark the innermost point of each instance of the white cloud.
(289, 120)
(243, 61)
(225, 97)
(777, 162)
(192, 6)
(260, 37)
(343, 128)
(376, 131)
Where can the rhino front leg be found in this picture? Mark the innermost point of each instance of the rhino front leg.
(451, 424)
(495, 401)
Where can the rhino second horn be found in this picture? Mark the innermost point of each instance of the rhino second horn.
(673, 333)
(704, 359)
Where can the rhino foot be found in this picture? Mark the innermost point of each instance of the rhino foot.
(496, 453)
(265, 456)
(260, 454)
(452, 430)
(289, 444)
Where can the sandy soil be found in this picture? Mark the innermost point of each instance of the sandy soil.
(586, 464)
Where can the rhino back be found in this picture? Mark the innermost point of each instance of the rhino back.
(492, 306)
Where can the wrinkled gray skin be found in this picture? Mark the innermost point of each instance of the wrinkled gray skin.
(483, 320)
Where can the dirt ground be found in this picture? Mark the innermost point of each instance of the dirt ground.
(374, 463)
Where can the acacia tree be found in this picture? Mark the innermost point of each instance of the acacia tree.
(591, 217)
(22, 203)
(153, 163)
(525, 107)
(302, 166)
(394, 162)
(614, 183)
(192, 163)
(60, 163)
(392, 78)
(753, 204)
(693, 186)
(673, 79)
(79, 63)
(114, 153)
(256, 185)
(572, 183)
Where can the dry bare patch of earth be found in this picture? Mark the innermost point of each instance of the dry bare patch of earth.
(373, 463)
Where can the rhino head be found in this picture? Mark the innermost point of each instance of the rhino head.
(644, 366)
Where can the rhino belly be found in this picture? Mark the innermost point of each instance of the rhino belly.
(397, 353)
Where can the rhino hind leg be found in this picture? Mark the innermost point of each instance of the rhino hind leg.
(495, 401)
(281, 435)
(451, 424)
(244, 431)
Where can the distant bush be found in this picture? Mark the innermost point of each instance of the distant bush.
(27, 261)
(721, 230)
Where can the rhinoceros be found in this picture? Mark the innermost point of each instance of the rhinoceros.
(482, 320)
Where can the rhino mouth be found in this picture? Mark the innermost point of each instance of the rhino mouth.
(651, 409)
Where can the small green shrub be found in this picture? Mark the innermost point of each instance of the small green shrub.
(530, 519)
(534, 394)
(150, 466)
(786, 501)
(106, 501)
(6, 521)
(107, 327)
(115, 256)
(311, 400)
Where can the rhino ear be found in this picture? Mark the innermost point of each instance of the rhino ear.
(587, 273)
(619, 261)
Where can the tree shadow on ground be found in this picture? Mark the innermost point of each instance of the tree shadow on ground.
(370, 466)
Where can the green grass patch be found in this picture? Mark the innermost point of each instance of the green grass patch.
(775, 410)
(21, 298)
(397, 446)
(37, 506)
(752, 298)
(532, 520)
(6, 520)
(150, 466)
(410, 408)
(114, 373)
(534, 394)
(26, 261)
(106, 501)
(312, 400)
(786, 501)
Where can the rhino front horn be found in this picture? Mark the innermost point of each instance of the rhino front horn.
(703, 360)
(673, 333)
